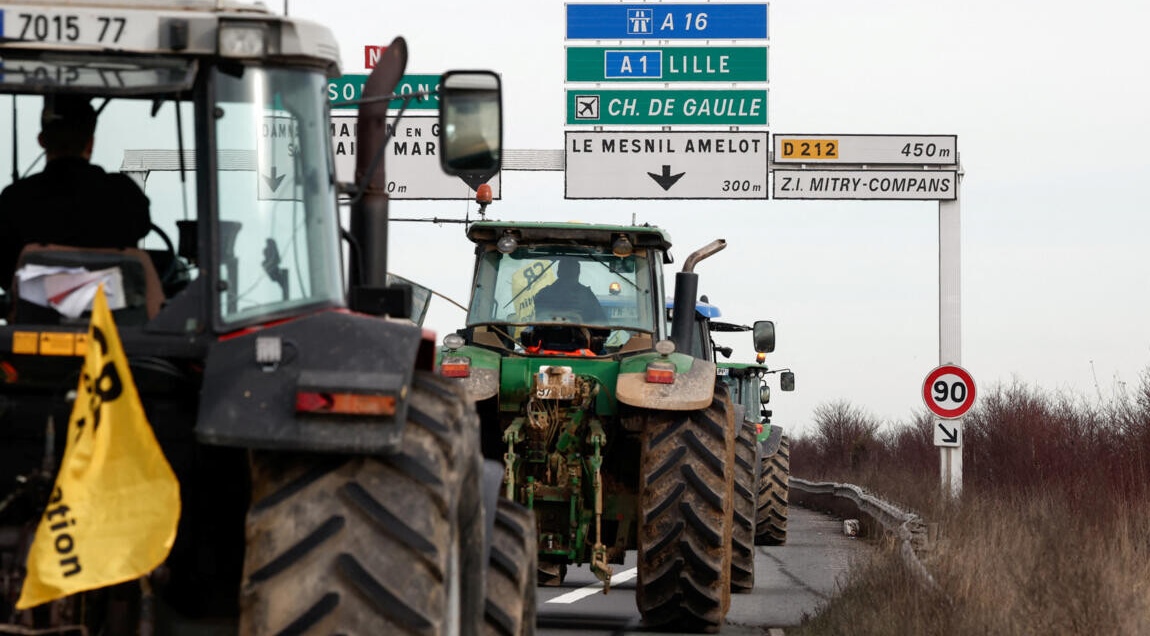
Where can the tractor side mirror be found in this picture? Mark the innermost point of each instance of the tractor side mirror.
(787, 381)
(764, 394)
(470, 123)
(764, 336)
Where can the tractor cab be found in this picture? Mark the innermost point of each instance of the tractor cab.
(567, 289)
(220, 118)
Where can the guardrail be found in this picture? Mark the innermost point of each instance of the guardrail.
(849, 500)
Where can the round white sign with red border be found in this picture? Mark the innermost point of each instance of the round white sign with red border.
(948, 391)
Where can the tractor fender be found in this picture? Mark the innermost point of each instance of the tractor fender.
(693, 388)
(771, 443)
(249, 396)
(483, 381)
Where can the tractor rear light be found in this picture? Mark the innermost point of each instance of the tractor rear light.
(323, 402)
(455, 367)
(661, 373)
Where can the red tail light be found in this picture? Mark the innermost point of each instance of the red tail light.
(455, 367)
(661, 373)
(344, 403)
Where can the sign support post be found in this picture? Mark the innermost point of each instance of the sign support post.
(898, 167)
(950, 322)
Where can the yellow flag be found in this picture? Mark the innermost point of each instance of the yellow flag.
(112, 515)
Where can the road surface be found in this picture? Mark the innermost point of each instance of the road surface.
(790, 581)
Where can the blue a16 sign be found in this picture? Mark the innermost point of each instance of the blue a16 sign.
(712, 21)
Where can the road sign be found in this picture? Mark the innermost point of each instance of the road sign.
(866, 149)
(666, 165)
(412, 159)
(711, 21)
(371, 55)
(948, 391)
(348, 87)
(909, 185)
(667, 107)
(276, 158)
(668, 64)
(947, 433)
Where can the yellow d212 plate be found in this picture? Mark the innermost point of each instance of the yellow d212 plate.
(813, 149)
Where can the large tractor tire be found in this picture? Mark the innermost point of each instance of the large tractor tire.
(366, 545)
(510, 607)
(746, 489)
(686, 491)
(774, 483)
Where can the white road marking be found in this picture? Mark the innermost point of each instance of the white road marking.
(594, 588)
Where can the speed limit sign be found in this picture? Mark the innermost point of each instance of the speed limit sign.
(948, 391)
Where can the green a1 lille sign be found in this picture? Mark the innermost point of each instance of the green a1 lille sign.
(667, 64)
(667, 107)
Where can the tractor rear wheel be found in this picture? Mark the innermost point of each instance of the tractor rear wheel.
(363, 545)
(774, 483)
(746, 489)
(510, 608)
(686, 485)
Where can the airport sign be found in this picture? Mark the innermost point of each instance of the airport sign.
(729, 107)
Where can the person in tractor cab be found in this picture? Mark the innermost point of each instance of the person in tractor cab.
(72, 201)
(567, 295)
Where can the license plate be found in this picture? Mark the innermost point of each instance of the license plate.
(105, 28)
(555, 383)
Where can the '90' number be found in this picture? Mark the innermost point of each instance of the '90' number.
(949, 392)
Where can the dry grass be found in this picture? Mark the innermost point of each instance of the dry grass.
(1051, 536)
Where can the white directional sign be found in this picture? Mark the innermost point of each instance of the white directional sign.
(276, 157)
(947, 433)
(910, 185)
(412, 158)
(948, 391)
(666, 165)
(866, 149)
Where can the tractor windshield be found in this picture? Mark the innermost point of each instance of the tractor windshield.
(561, 284)
(278, 228)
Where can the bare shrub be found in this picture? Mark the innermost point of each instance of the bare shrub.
(844, 437)
(1008, 566)
(1050, 535)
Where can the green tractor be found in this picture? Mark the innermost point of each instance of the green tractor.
(756, 451)
(616, 438)
(749, 391)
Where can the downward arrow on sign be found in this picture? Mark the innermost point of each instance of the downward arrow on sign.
(949, 436)
(274, 180)
(666, 179)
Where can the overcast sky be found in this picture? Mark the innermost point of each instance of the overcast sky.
(1049, 103)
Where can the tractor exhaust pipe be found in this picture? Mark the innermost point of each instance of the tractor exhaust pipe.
(686, 290)
(369, 214)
